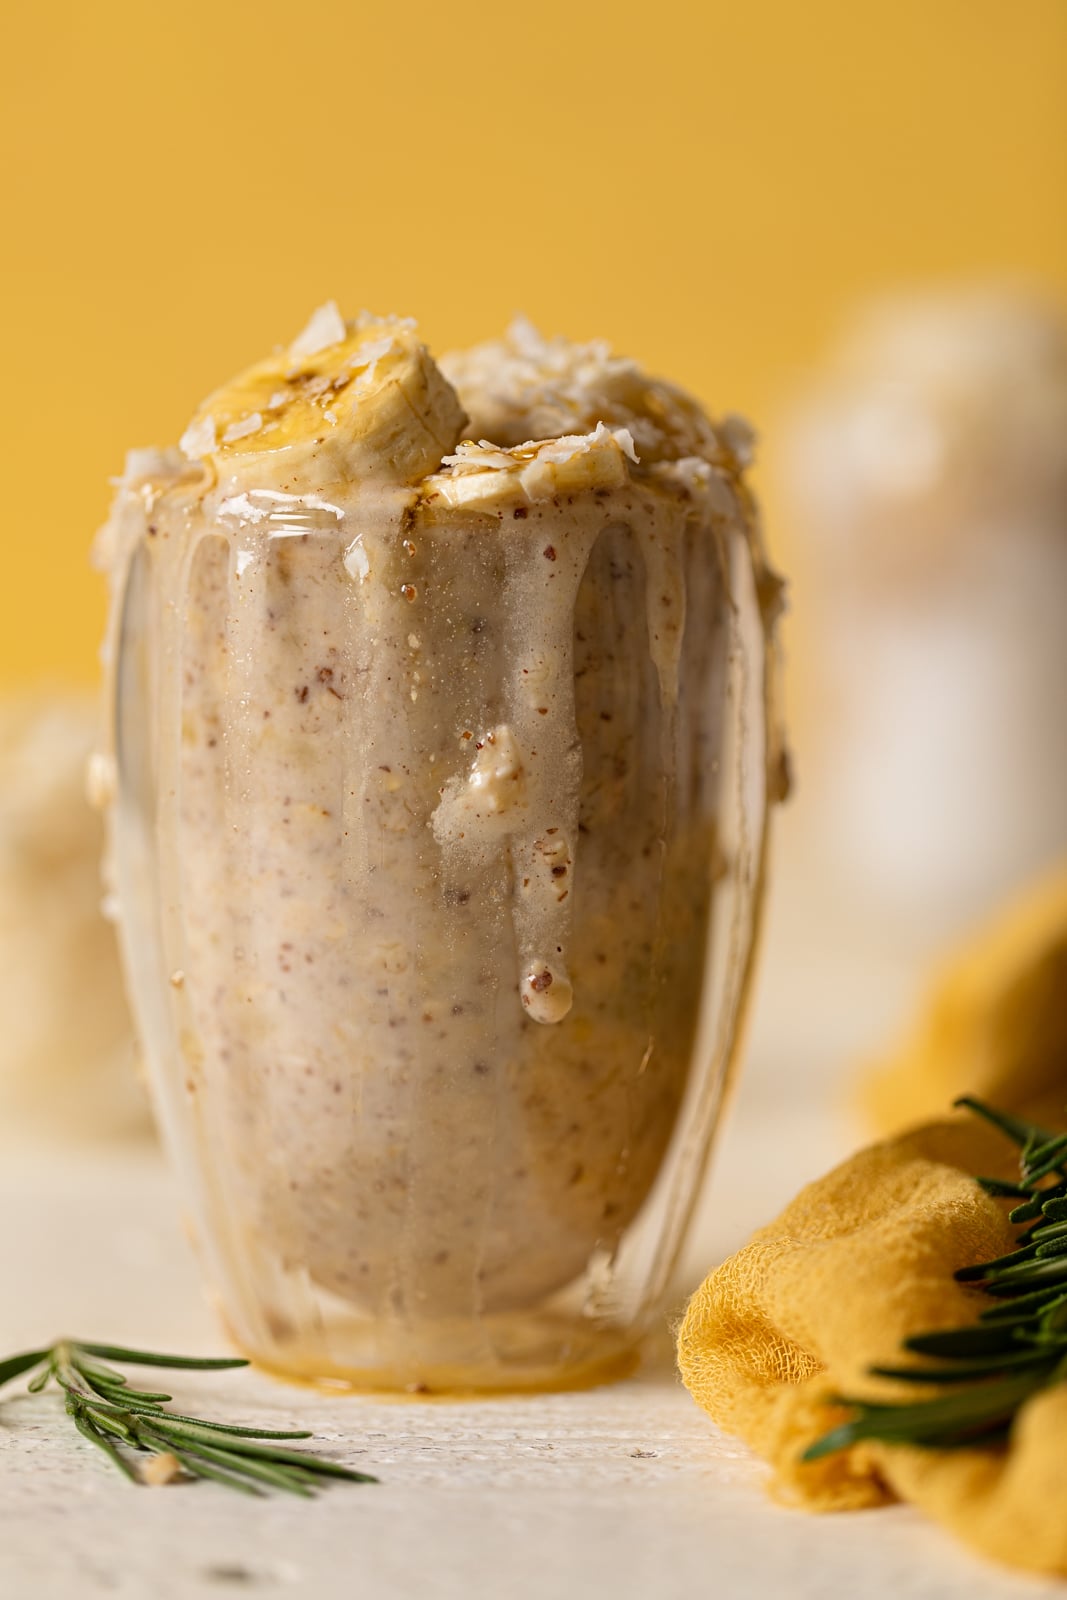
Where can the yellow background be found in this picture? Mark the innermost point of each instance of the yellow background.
(707, 185)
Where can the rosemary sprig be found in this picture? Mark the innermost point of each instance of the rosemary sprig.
(1017, 1347)
(149, 1444)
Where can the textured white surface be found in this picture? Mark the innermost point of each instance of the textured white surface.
(625, 1492)
(523, 1501)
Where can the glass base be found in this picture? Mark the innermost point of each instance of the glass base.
(506, 1355)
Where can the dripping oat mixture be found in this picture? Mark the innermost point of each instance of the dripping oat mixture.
(436, 723)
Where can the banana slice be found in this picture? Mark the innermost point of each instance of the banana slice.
(354, 400)
(537, 470)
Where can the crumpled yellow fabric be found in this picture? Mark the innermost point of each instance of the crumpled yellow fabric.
(995, 1022)
(858, 1261)
(865, 1256)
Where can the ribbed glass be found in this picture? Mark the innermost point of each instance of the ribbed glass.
(398, 1176)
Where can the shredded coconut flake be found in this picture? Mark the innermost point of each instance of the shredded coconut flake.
(357, 562)
(481, 457)
(368, 354)
(710, 484)
(198, 440)
(485, 456)
(625, 441)
(326, 327)
(367, 319)
(242, 508)
(242, 430)
(553, 388)
(149, 463)
(528, 340)
(565, 448)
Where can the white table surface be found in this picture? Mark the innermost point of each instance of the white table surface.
(625, 1492)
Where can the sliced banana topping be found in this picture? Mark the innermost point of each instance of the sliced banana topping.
(364, 401)
(353, 400)
(536, 470)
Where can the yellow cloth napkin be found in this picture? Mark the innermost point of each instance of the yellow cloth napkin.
(864, 1257)
(858, 1261)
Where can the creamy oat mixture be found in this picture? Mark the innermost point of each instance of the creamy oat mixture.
(437, 720)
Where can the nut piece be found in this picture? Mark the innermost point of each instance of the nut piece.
(162, 1469)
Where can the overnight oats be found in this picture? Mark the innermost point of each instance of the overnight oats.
(443, 748)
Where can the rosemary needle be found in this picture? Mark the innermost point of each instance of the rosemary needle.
(1017, 1347)
(132, 1427)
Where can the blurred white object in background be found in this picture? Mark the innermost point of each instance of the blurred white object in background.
(924, 478)
(66, 1051)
